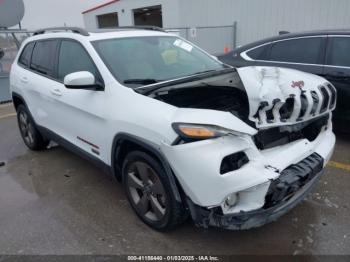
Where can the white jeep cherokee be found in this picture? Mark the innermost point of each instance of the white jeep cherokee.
(186, 134)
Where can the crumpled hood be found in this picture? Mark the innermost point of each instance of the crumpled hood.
(281, 96)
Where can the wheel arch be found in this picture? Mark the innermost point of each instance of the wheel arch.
(124, 143)
(17, 100)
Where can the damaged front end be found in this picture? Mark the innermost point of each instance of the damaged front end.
(284, 193)
(280, 140)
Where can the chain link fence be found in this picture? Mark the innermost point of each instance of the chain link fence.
(9, 45)
(214, 39)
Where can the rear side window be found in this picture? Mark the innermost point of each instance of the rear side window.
(260, 53)
(339, 52)
(74, 58)
(24, 59)
(303, 50)
(43, 58)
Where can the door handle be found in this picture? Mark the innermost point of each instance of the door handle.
(24, 79)
(56, 92)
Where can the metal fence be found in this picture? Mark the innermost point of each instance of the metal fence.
(214, 39)
(10, 41)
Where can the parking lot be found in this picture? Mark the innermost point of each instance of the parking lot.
(54, 202)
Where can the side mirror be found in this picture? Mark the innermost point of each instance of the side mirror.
(81, 80)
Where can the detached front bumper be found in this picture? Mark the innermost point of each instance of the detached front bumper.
(284, 193)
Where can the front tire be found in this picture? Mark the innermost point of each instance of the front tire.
(29, 132)
(149, 192)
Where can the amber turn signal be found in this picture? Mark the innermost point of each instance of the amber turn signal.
(197, 132)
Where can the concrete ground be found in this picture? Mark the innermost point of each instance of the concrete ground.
(54, 202)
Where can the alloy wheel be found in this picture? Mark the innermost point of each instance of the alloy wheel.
(26, 128)
(146, 191)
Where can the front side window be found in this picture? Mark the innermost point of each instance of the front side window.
(339, 52)
(155, 58)
(73, 58)
(43, 57)
(303, 50)
(24, 59)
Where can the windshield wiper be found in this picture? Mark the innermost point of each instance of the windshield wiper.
(146, 81)
(203, 72)
(149, 89)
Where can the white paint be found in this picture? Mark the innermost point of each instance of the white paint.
(83, 78)
(97, 116)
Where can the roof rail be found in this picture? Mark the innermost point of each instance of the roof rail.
(76, 30)
(142, 27)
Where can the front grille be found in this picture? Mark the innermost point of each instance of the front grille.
(292, 179)
(311, 103)
(304, 106)
(287, 109)
(316, 101)
(277, 136)
(325, 97)
(333, 97)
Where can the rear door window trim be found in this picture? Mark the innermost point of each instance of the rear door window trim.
(328, 48)
(56, 59)
(54, 73)
(245, 56)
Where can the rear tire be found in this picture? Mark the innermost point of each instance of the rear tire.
(29, 132)
(149, 192)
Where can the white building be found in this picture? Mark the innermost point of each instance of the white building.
(255, 19)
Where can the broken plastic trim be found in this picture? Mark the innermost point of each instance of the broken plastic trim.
(277, 136)
(233, 162)
(204, 217)
(292, 179)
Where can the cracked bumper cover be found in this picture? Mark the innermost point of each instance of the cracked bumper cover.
(284, 193)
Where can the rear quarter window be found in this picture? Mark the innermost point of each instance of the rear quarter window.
(260, 53)
(26, 54)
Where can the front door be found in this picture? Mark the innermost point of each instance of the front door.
(79, 114)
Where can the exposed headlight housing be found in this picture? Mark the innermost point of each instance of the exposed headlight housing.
(199, 131)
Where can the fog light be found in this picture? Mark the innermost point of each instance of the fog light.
(231, 200)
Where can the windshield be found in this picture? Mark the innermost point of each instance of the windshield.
(140, 61)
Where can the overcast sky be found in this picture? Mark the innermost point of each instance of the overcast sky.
(47, 13)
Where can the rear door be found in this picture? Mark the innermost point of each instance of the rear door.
(337, 71)
(305, 54)
(41, 82)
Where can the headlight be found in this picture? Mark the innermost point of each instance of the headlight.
(198, 131)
